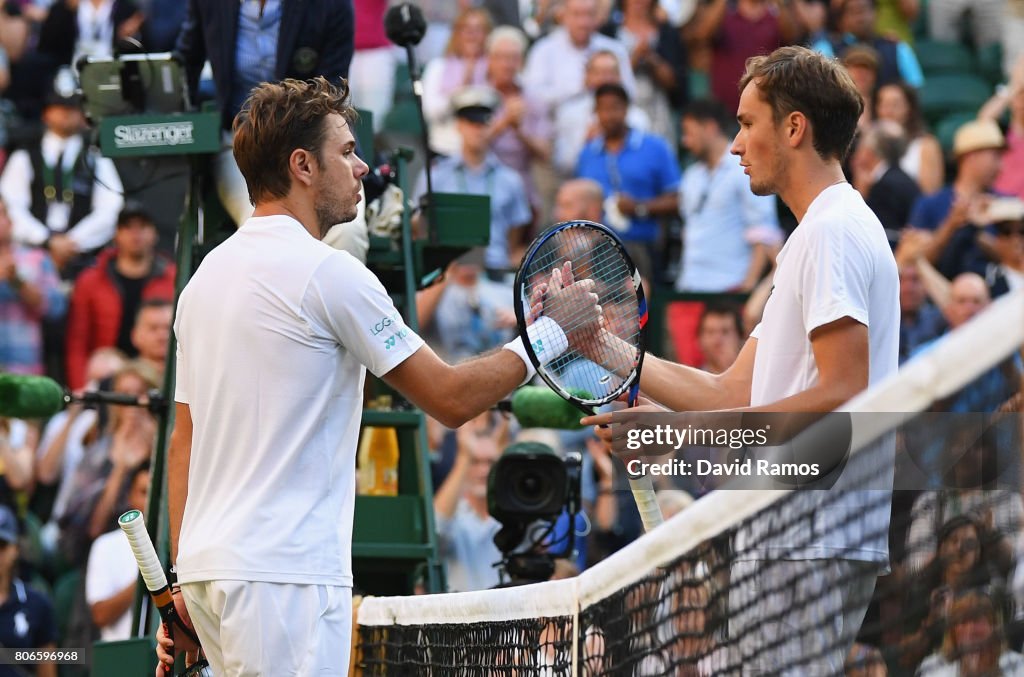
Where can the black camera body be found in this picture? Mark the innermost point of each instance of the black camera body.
(530, 485)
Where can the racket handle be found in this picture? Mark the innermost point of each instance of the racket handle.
(646, 502)
(134, 527)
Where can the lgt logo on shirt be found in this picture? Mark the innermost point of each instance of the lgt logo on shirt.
(384, 323)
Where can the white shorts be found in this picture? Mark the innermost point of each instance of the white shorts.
(256, 629)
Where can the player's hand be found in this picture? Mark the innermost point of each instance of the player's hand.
(166, 648)
(608, 433)
(571, 304)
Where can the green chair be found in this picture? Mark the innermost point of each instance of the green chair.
(404, 118)
(920, 27)
(943, 58)
(64, 592)
(699, 85)
(943, 95)
(990, 63)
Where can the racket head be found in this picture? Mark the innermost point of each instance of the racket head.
(597, 253)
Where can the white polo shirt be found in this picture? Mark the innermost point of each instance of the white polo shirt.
(275, 331)
(836, 264)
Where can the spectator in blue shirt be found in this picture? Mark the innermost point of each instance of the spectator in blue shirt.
(638, 172)
(954, 215)
(920, 320)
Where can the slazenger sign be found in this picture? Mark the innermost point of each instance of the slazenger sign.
(157, 134)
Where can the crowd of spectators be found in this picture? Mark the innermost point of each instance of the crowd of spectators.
(619, 111)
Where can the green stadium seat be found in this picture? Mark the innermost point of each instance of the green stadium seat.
(699, 85)
(943, 95)
(920, 27)
(403, 117)
(943, 58)
(64, 592)
(945, 130)
(403, 83)
(990, 63)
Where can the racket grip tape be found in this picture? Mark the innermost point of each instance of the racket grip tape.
(134, 527)
(646, 502)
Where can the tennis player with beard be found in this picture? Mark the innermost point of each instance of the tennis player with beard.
(275, 333)
(830, 330)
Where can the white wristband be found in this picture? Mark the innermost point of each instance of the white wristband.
(547, 339)
(517, 347)
(548, 342)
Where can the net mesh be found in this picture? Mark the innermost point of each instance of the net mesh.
(787, 582)
(591, 254)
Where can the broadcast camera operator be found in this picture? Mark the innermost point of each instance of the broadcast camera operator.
(503, 509)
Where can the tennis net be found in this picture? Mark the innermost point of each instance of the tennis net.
(776, 581)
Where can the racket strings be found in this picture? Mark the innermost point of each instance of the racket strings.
(595, 366)
(615, 267)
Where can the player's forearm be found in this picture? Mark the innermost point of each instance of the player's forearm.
(453, 394)
(475, 386)
(683, 388)
(823, 397)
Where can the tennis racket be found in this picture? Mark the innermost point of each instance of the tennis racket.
(600, 363)
(134, 527)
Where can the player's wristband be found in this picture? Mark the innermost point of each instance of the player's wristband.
(547, 340)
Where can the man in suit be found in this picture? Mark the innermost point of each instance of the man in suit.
(888, 190)
(314, 37)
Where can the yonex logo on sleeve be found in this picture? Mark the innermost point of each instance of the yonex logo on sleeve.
(538, 346)
(390, 342)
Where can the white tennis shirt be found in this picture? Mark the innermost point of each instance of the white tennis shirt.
(275, 331)
(836, 264)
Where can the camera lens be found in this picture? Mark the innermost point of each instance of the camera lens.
(530, 486)
(531, 489)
